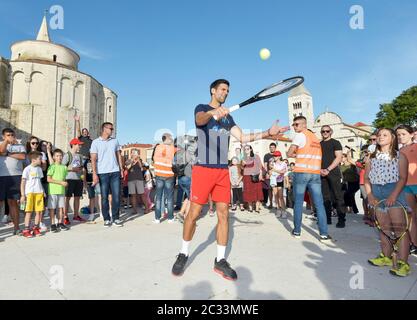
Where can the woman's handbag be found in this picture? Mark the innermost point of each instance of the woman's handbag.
(255, 178)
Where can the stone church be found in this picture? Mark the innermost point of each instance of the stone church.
(41, 89)
(300, 103)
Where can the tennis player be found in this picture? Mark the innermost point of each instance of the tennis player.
(211, 175)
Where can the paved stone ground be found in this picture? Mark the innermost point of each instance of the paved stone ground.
(134, 262)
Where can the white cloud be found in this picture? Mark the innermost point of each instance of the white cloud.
(82, 50)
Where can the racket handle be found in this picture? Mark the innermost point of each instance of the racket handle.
(231, 109)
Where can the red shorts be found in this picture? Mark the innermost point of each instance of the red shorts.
(206, 181)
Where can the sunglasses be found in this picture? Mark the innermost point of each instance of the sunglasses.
(34, 143)
(325, 131)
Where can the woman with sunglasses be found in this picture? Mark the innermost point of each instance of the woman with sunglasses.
(34, 144)
(252, 179)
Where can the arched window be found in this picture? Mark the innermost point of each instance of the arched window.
(109, 108)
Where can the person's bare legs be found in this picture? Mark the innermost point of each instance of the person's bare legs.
(280, 196)
(398, 226)
(190, 221)
(222, 233)
(412, 203)
(134, 203)
(185, 208)
(52, 216)
(67, 202)
(28, 217)
(76, 206)
(385, 223)
(145, 202)
(61, 215)
(14, 213)
(38, 216)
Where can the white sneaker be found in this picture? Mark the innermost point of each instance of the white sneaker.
(5, 219)
(156, 221)
(43, 227)
(91, 218)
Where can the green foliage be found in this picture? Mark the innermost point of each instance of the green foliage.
(402, 110)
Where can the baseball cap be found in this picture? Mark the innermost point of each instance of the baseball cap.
(277, 154)
(75, 141)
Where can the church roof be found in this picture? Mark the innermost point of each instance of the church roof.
(360, 124)
(299, 91)
(43, 34)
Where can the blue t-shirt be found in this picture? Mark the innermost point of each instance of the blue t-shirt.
(213, 140)
(106, 155)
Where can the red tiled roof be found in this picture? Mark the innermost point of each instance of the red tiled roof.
(360, 124)
(137, 145)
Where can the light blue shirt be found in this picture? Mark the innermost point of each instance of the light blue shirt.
(106, 155)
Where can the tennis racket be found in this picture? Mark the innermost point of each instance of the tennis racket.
(272, 91)
(396, 230)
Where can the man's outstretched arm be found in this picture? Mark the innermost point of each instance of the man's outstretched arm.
(249, 137)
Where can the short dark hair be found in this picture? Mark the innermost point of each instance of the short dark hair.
(409, 129)
(57, 151)
(105, 124)
(300, 118)
(7, 130)
(218, 82)
(34, 154)
(273, 144)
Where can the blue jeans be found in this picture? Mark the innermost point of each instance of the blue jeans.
(110, 181)
(184, 184)
(180, 195)
(301, 182)
(164, 186)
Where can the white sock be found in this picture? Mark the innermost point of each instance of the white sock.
(185, 246)
(221, 251)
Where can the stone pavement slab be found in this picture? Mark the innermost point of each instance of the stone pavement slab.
(134, 262)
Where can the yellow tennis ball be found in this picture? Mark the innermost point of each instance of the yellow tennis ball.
(264, 54)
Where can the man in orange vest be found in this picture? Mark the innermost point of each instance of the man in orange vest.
(306, 149)
(210, 176)
(165, 179)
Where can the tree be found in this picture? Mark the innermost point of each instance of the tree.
(402, 110)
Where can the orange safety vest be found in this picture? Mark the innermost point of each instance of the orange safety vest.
(164, 154)
(308, 158)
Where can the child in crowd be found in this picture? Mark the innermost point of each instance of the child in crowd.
(149, 185)
(125, 189)
(236, 180)
(277, 172)
(385, 178)
(32, 193)
(57, 173)
(88, 185)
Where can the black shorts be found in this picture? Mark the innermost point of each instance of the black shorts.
(74, 188)
(10, 188)
(280, 185)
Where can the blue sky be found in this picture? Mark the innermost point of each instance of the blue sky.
(160, 56)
